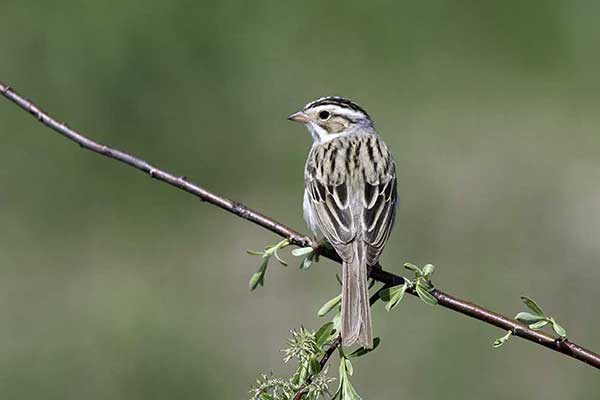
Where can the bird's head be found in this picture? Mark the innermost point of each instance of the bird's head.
(330, 117)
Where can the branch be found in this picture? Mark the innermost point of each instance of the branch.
(563, 346)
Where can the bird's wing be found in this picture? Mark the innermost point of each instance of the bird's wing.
(380, 198)
(361, 203)
(378, 217)
(329, 195)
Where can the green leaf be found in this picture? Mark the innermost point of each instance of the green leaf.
(281, 261)
(425, 295)
(345, 389)
(363, 350)
(281, 245)
(329, 305)
(323, 334)
(428, 270)
(302, 373)
(500, 341)
(259, 276)
(424, 283)
(348, 392)
(306, 263)
(265, 396)
(533, 306)
(342, 368)
(349, 368)
(315, 366)
(302, 251)
(385, 294)
(296, 376)
(560, 331)
(539, 324)
(255, 280)
(413, 268)
(395, 296)
(528, 318)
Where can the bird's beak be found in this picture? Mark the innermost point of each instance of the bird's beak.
(299, 116)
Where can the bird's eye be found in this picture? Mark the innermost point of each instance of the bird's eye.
(324, 115)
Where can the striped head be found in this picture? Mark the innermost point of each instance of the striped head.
(330, 117)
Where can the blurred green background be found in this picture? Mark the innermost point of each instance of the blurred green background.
(113, 286)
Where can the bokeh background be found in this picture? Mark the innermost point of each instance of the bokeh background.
(114, 286)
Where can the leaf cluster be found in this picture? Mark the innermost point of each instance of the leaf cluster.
(258, 278)
(305, 347)
(536, 320)
(421, 284)
(308, 254)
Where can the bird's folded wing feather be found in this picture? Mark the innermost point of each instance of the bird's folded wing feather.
(331, 206)
(362, 206)
(378, 215)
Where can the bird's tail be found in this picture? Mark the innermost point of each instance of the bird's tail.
(356, 311)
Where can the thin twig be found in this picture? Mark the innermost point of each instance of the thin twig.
(563, 346)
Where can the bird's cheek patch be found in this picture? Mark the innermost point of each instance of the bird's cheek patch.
(336, 125)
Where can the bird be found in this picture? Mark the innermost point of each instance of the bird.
(350, 198)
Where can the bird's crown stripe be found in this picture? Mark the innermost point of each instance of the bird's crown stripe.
(336, 101)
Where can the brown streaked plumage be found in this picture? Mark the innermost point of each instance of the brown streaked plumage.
(351, 198)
